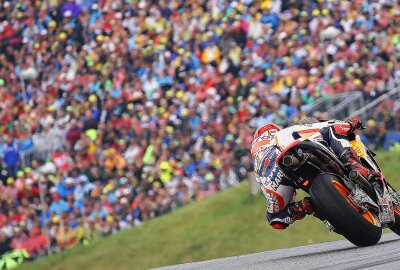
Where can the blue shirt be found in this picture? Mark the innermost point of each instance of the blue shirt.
(11, 155)
(59, 207)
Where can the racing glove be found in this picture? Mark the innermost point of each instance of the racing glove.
(355, 124)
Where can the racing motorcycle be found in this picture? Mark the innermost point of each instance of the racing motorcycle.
(349, 204)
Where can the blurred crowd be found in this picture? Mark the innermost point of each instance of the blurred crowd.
(383, 126)
(114, 112)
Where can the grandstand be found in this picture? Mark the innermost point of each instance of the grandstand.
(115, 112)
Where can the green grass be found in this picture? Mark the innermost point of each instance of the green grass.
(227, 224)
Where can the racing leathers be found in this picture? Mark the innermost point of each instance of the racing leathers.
(279, 191)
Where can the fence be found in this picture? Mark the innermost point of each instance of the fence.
(368, 109)
(338, 106)
(42, 145)
(349, 102)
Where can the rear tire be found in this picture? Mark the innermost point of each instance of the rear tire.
(333, 206)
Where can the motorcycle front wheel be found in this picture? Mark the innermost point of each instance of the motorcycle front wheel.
(396, 226)
(330, 200)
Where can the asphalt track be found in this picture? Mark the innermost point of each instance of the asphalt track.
(332, 255)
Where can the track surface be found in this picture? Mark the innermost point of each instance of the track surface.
(332, 255)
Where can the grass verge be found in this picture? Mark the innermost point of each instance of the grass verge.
(227, 224)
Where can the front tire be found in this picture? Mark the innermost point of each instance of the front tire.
(330, 199)
(396, 226)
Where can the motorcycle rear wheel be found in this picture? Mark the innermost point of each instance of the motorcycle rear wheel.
(330, 199)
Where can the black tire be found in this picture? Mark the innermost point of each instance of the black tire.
(330, 204)
(396, 226)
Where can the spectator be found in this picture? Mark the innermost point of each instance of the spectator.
(118, 112)
(5, 243)
(373, 134)
(11, 156)
(58, 206)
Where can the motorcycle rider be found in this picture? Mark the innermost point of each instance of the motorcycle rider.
(277, 188)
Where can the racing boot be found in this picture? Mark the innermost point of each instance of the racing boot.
(349, 156)
(294, 211)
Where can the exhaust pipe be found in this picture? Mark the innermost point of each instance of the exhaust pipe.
(290, 161)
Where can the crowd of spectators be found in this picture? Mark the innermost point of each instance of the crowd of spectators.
(114, 112)
(383, 126)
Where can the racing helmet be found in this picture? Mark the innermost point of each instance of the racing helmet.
(268, 127)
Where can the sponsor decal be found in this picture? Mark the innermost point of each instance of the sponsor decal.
(274, 179)
(273, 204)
(266, 168)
